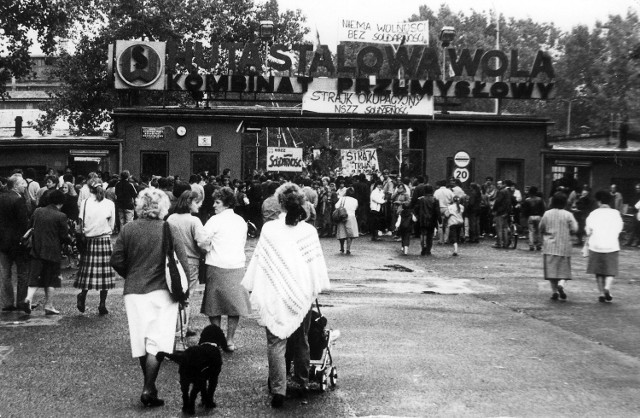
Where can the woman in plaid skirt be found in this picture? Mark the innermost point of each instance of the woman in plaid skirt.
(97, 217)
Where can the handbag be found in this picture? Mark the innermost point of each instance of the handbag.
(26, 241)
(177, 281)
(340, 213)
(202, 270)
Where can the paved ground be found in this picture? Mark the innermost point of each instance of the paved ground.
(474, 335)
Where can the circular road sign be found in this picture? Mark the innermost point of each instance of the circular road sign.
(461, 159)
(461, 174)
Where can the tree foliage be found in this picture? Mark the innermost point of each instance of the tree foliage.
(85, 97)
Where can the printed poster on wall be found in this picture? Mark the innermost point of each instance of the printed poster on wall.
(356, 161)
(284, 159)
(362, 30)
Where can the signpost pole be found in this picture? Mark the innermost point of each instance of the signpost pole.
(400, 153)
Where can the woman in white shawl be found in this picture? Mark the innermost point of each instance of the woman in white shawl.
(285, 275)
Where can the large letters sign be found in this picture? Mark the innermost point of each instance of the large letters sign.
(355, 161)
(356, 30)
(140, 65)
(284, 159)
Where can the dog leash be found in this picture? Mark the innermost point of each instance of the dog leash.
(180, 311)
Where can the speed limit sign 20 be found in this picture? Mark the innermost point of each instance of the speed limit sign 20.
(461, 174)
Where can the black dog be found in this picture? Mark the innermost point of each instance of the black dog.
(199, 365)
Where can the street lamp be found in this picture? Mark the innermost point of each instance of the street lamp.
(447, 35)
(266, 30)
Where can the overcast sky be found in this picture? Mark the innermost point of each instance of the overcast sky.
(565, 14)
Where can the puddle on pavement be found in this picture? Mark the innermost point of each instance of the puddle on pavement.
(21, 320)
(394, 267)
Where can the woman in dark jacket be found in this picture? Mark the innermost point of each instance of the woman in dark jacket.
(151, 311)
(50, 231)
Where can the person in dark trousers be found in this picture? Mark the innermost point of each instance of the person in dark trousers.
(13, 225)
(533, 209)
(427, 211)
(125, 195)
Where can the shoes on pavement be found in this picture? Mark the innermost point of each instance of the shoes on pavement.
(554, 296)
(26, 306)
(9, 308)
(102, 310)
(602, 299)
(607, 296)
(80, 301)
(455, 254)
(277, 401)
(151, 400)
(51, 311)
(531, 248)
(348, 252)
(563, 295)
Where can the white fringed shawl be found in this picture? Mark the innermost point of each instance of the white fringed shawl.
(285, 275)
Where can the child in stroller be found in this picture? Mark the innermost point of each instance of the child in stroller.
(322, 371)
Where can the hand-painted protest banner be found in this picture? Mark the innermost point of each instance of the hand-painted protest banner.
(358, 30)
(324, 96)
(284, 159)
(355, 161)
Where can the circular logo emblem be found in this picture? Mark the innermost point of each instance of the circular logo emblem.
(139, 65)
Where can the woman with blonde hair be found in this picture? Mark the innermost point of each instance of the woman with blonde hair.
(97, 217)
(151, 311)
(285, 275)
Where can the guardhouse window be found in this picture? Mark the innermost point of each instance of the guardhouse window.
(154, 163)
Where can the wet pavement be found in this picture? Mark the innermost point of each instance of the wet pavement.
(473, 335)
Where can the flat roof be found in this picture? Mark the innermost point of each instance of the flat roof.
(296, 117)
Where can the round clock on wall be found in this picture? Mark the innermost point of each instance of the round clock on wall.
(181, 131)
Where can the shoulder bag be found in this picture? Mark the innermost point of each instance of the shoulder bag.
(177, 281)
(340, 213)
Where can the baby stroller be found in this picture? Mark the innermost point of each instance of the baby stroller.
(322, 371)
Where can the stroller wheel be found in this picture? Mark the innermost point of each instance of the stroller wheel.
(324, 382)
(333, 376)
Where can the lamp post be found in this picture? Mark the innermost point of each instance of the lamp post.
(447, 35)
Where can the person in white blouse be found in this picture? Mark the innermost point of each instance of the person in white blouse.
(225, 238)
(603, 227)
(97, 218)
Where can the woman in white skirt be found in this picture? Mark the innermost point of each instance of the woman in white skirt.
(151, 311)
(347, 230)
(556, 227)
(603, 227)
(98, 216)
(225, 238)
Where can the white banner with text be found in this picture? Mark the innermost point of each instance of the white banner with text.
(284, 159)
(356, 161)
(359, 30)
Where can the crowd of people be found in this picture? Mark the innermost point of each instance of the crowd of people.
(206, 219)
